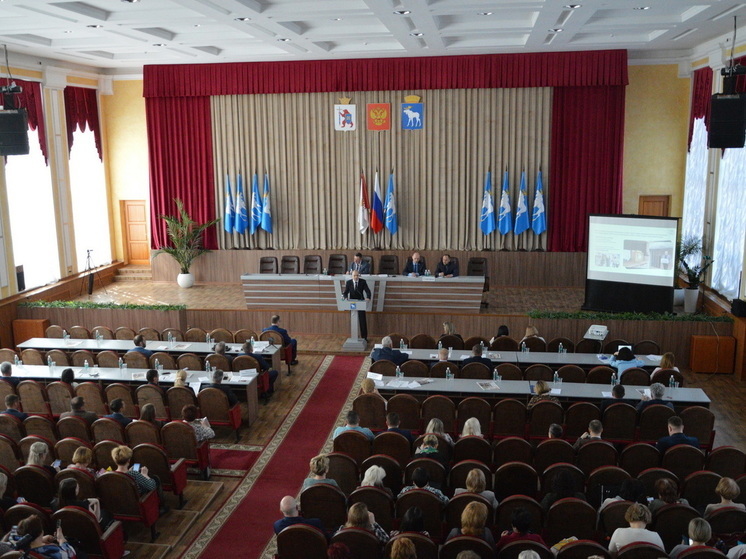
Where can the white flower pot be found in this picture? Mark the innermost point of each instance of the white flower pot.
(185, 280)
(678, 297)
(691, 298)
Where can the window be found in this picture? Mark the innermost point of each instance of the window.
(695, 185)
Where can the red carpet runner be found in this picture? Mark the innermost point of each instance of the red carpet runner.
(249, 527)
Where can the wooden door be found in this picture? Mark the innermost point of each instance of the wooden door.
(135, 229)
(654, 205)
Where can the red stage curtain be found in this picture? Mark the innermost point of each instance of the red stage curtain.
(585, 171)
(546, 69)
(180, 149)
(31, 100)
(701, 95)
(81, 109)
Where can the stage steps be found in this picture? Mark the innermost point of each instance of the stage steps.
(134, 273)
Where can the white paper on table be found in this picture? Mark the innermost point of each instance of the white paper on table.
(605, 394)
(377, 346)
(428, 278)
(375, 376)
(195, 385)
(398, 383)
(493, 355)
(654, 358)
(260, 345)
(379, 383)
(181, 346)
(644, 392)
(244, 380)
(414, 384)
(556, 391)
(72, 344)
(488, 385)
(138, 376)
(246, 372)
(205, 380)
(161, 347)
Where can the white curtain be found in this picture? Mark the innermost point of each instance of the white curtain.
(695, 186)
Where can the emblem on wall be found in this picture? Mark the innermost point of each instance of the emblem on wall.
(345, 117)
(379, 116)
(412, 113)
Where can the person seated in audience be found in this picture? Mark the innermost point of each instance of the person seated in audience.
(181, 378)
(68, 376)
(153, 378)
(473, 523)
(140, 344)
(82, 458)
(542, 393)
(450, 330)
(638, 517)
(6, 370)
(595, 428)
(359, 265)
(727, 489)
(624, 359)
(555, 431)
(116, 407)
(429, 449)
(12, 403)
(67, 496)
(412, 521)
(358, 516)
(374, 478)
(442, 357)
(563, 486)
(353, 424)
(122, 456)
(217, 379)
(392, 424)
(368, 386)
(472, 428)
(446, 268)
(414, 267)
(5, 502)
(50, 547)
(436, 427)
(668, 494)
(632, 489)
(737, 552)
(700, 533)
(421, 480)
(469, 554)
(202, 429)
(617, 397)
(477, 483)
(291, 516)
(531, 332)
(319, 468)
(520, 521)
(657, 390)
(386, 351)
(147, 413)
(78, 404)
(248, 349)
(38, 456)
(668, 361)
(403, 548)
(476, 357)
(219, 349)
(502, 330)
(675, 436)
(286, 339)
(531, 554)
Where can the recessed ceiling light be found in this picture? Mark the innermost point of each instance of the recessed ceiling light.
(556, 30)
(283, 40)
(242, 18)
(484, 13)
(416, 34)
(336, 19)
(130, 1)
(159, 44)
(402, 12)
(198, 25)
(94, 26)
(641, 8)
(572, 6)
(68, 32)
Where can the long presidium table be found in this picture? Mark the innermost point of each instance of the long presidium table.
(390, 293)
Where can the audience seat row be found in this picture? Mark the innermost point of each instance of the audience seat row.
(151, 334)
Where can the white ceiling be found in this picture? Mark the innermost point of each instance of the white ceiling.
(118, 35)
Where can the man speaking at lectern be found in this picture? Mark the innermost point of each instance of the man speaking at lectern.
(357, 288)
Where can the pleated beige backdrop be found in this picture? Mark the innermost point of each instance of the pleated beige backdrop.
(439, 171)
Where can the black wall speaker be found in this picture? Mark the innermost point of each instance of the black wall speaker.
(13, 132)
(738, 307)
(727, 121)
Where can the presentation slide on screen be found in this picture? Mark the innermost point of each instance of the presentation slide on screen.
(632, 249)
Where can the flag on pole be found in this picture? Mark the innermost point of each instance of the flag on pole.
(242, 218)
(266, 207)
(539, 218)
(505, 217)
(392, 222)
(521, 212)
(487, 213)
(363, 213)
(376, 215)
(256, 205)
(229, 221)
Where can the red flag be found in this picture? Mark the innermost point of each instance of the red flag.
(364, 210)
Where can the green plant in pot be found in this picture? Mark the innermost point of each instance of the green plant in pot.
(185, 236)
(694, 264)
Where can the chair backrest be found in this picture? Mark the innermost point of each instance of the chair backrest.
(81, 526)
(654, 422)
(93, 396)
(535, 343)
(571, 373)
(646, 347)
(577, 418)
(65, 448)
(189, 361)
(394, 470)
(509, 418)
(11, 427)
(454, 546)
(638, 457)
(441, 407)
(123, 391)
(301, 541)
(195, 334)
(10, 455)
(554, 471)
(33, 397)
(415, 368)
(423, 341)
(354, 444)
(515, 478)
(156, 459)
(588, 346)
(727, 520)
(389, 264)
(441, 368)
(460, 470)
(477, 266)
(81, 356)
(506, 507)
(102, 454)
(612, 346)
(104, 429)
(541, 416)
(218, 361)
(599, 375)
(79, 332)
(635, 376)
(312, 264)
(244, 362)
(150, 394)
(337, 264)
(73, 426)
(510, 371)
(539, 372)
(611, 517)
(701, 552)
(378, 501)
(325, 502)
(124, 333)
(458, 503)
(595, 454)
(397, 338)
(54, 331)
(162, 358)
(513, 549)
(671, 521)
(699, 489)
(344, 471)
(728, 461)
(290, 265)
(178, 397)
(475, 407)
(436, 472)
(478, 371)
(431, 506)
(567, 345)
(651, 475)
(136, 360)
(139, 432)
(664, 376)
(179, 440)
(107, 359)
(16, 513)
(620, 422)
(451, 341)
(268, 265)
(472, 448)
(41, 426)
(394, 445)
(504, 343)
(699, 422)
(35, 484)
(150, 334)
(425, 547)
(408, 408)
(32, 357)
(103, 332)
(213, 404)
(222, 335)
(683, 459)
(512, 449)
(606, 479)
(581, 549)
(362, 543)
(372, 411)
(570, 517)
(58, 356)
(24, 447)
(118, 494)
(384, 367)
(86, 481)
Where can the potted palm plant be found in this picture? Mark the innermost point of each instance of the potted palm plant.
(694, 264)
(185, 236)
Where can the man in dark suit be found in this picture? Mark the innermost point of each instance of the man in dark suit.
(6, 369)
(358, 265)
(393, 422)
(476, 357)
(217, 379)
(446, 268)
(140, 343)
(12, 403)
(77, 405)
(116, 407)
(291, 515)
(415, 267)
(387, 352)
(675, 436)
(248, 349)
(286, 339)
(357, 289)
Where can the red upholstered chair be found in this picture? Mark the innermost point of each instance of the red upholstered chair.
(513, 549)
(81, 525)
(431, 506)
(325, 502)
(641, 550)
(173, 476)
(107, 429)
(344, 471)
(671, 521)
(213, 403)
(180, 441)
(515, 478)
(119, 495)
(35, 484)
(362, 543)
(512, 449)
(354, 444)
(582, 549)
(85, 480)
(508, 505)
(378, 501)
(394, 445)
(472, 448)
(570, 516)
(728, 461)
(301, 541)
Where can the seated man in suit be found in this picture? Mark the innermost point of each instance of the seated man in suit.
(657, 390)
(217, 379)
(140, 343)
(595, 428)
(393, 422)
(220, 350)
(248, 349)
(675, 436)
(476, 357)
(387, 352)
(358, 265)
(415, 267)
(446, 268)
(12, 403)
(116, 407)
(286, 339)
(291, 515)
(357, 289)
(77, 404)
(6, 370)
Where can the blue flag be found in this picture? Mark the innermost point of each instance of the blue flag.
(392, 222)
(539, 218)
(505, 218)
(487, 213)
(229, 220)
(521, 212)
(242, 218)
(266, 208)
(256, 206)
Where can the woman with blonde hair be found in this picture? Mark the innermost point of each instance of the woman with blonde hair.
(472, 428)
(450, 330)
(319, 468)
(473, 523)
(638, 517)
(82, 458)
(37, 456)
(668, 361)
(728, 490)
(358, 516)
(374, 478)
(476, 482)
(531, 332)
(368, 386)
(181, 376)
(403, 548)
(700, 532)
(436, 426)
(541, 394)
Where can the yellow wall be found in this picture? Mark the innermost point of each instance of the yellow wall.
(126, 149)
(655, 135)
